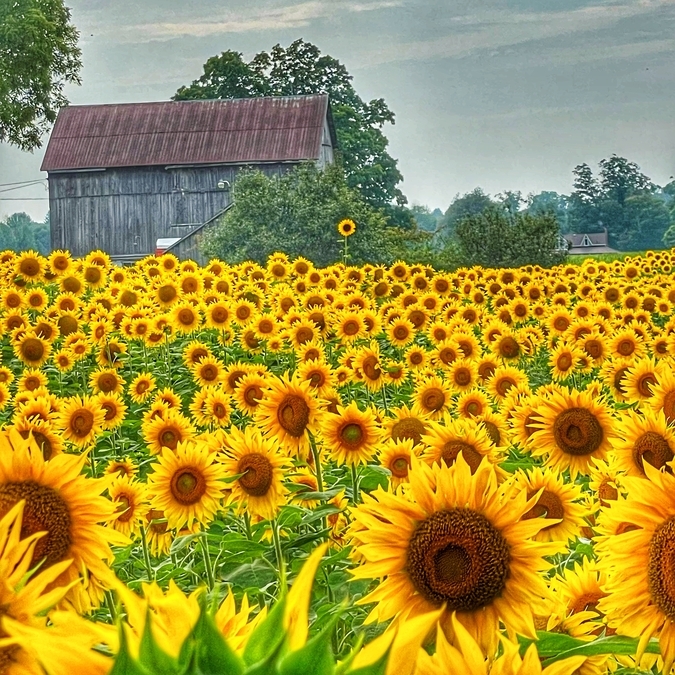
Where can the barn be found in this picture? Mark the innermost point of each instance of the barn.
(123, 176)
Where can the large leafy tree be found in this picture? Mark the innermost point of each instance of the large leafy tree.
(302, 69)
(38, 57)
(298, 214)
(470, 204)
(19, 232)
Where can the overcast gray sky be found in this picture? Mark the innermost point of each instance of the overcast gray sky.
(502, 94)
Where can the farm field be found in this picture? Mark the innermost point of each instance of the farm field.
(368, 470)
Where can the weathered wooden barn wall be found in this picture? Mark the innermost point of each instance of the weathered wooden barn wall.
(125, 210)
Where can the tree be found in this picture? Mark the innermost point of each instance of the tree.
(19, 232)
(425, 218)
(38, 57)
(620, 179)
(470, 204)
(298, 214)
(669, 237)
(302, 69)
(646, 219)
(495, 238)
(583, 202)
(550, 202)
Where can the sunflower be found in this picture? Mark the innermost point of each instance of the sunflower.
(368, 366)
(432, 397)
(405, 424)
(141, 387)
(466, 657)
(416, 357)
(506, 346)
(572, 430)
(626, 344)
(396, 457)
(563, 360)
(557, 500)
(80, 420)
(613, 374)
(318, 374)
(352, 436)
(217, 407)
(472, 403)
(663, 395)
(638, 561)
(400, 332)
(106, 381)
(32, 350)
(289, 412)
(466, 437)
(642, 438)
(167, 431)
(186, 485)
(248, 393)
(25, 598)
(641, 378)
(30, 265)
(129, 496)
(462, 375)
(114, 409)
(67, 506)
(185, 317)
(505, 379)
(234, 373)
(158, 535)
(208, 372)
(346, 227)
(302, 331)
(456, 541)
(121, 468)
(259, 490)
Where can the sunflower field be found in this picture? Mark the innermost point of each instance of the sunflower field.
(286, 470)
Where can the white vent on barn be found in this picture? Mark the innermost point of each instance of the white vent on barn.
(586, 241)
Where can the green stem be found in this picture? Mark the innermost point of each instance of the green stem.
(247, 525)
(146, 557)
(355, 484)
(207, 562)
(317, 463)
(110, 604)
(280, 558)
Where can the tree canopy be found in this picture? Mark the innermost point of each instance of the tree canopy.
(298, 214)
(38, 57)
(302, 69)
(19, 232)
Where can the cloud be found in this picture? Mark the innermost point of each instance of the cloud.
(255, 21)
(492, 30)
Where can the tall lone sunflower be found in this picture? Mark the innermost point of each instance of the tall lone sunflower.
(346, 227)
(454, 540)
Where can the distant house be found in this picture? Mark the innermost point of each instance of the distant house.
(123, 176)
(588, 244)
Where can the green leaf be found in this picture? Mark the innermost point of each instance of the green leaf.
(213, 656)
(315, 657)
(151, 656)
(268, 637)
(377, 668)
(124, 664)
(614, 644)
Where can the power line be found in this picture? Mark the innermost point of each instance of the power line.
(22, 182)
(22, 187)
(24, 199)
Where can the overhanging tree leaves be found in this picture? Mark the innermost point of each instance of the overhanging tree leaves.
(38, 57)
(302, 69)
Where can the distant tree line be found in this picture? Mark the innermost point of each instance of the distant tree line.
(19, 232)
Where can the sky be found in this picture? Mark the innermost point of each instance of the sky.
(501, 94)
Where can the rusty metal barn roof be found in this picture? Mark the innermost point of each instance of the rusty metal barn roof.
(269, 129)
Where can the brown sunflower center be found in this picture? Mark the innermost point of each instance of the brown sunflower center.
(509, 348)
(110, 409)
(32, 349)
(399, 466)
(452, 449)
(607, 492)
(652, 448)
(548, 505)
(253, 394)
(503, 385)
(625, 347)
(29, 267)
(43, 443)
(577, 431)
(459, 558)
(304, 334)
(257, 474)
(350, 327)
(669, 406)
(188, 485)
(586, 602)
(371, 368)
(107, 382)
(169, 437)
(186, 316)
(593, 348)
(433, 399)
(492, 431)
(352, 435)
(474, 408)
(125, 507)
(157, 523)
(45, 511)
(645, 383)
(564, 362)
(462, 377)
(401, 332)
(293, 415)
(82, 422)
(661, 568)
(409, 427)
(209, 372)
